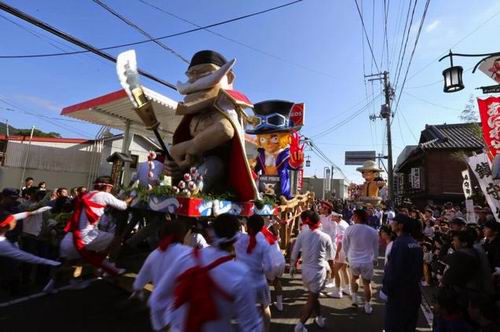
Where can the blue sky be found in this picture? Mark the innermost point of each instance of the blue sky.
(310, 52)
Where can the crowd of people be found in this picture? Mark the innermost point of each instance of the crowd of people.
(206, 274)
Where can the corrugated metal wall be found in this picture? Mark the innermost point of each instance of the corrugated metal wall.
(47, 158)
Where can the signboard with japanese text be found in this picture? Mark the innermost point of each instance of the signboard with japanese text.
(416, 178)
(479, 164)
(467, 186)
(489, 109)
(328, 179)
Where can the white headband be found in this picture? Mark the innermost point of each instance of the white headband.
(222, 240)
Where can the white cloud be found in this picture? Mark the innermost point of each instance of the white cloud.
(432, 26)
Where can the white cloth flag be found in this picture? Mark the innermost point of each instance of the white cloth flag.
(491, 189)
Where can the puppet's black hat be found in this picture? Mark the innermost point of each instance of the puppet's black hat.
(207, 56)
(272, 116)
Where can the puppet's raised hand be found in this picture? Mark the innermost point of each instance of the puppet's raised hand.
(296, 151)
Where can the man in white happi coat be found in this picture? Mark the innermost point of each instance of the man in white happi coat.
(340, 273)
(329, 227)
(361, 245)
(209, 288)
(84, 239)
(159, 262)
(317, 253)
(253, 250)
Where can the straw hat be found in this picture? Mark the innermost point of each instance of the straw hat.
(369, 165)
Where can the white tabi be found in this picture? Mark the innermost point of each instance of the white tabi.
(317, 248)
(232, 277)
(259, 263)
(93, 238)
(154, 268)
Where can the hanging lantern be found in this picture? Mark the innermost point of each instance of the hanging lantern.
(308, 162)
(453, 77)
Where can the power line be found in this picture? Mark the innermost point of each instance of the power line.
(3, 6)
(346, 120)
(397, 29)
(430, 102)
(386, 36)
(405, 46)
(38, 115)
(366, 35)
(235, 41)
(426, 8)
(44, 118)
(409, 127)
(483, 23)
(138, 28)
(324, 157)
(73, 40)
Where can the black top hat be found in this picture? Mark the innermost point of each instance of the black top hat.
(272, 116)
(207, 56)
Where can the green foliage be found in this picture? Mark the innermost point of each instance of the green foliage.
(27, 132)
(36, 133)
(266, 200)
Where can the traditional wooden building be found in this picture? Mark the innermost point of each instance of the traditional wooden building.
(432, 170)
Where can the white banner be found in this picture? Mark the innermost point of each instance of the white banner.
(491, 189)
(491, 68)
(466, 185)
(471, 215)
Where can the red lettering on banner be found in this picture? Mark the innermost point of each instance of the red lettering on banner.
(297, 115)
(489, 109)
(300, 179)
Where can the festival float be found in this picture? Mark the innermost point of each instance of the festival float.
(207, 160)
(368, 192)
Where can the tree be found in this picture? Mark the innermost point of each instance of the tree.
(36, 133)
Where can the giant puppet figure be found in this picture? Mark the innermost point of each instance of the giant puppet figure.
(278, 147)
(210, 135)
(369, 191)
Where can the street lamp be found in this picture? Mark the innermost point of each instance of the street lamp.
(308, 162)
(453, 75)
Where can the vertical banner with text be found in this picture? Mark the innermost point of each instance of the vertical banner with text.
(489, 109)
(480, 166)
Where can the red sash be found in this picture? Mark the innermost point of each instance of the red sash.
(84, 204)
(194, 287)
(270, 237)
(252, 241)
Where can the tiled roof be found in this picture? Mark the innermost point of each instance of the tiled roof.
(451, 136)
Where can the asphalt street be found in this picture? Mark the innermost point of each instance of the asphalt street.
(104, 306)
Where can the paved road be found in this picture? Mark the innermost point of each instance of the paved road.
(104, 307)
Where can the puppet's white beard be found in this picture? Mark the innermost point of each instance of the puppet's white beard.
(206, 82)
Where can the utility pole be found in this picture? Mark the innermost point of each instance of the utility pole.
(386, 114)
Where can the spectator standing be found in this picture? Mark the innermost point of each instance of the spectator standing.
(491, 243)
(28, 183)
(402, 276)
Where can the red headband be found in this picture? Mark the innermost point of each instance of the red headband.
(7, 221)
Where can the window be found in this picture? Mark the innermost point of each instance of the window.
(135, 160)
